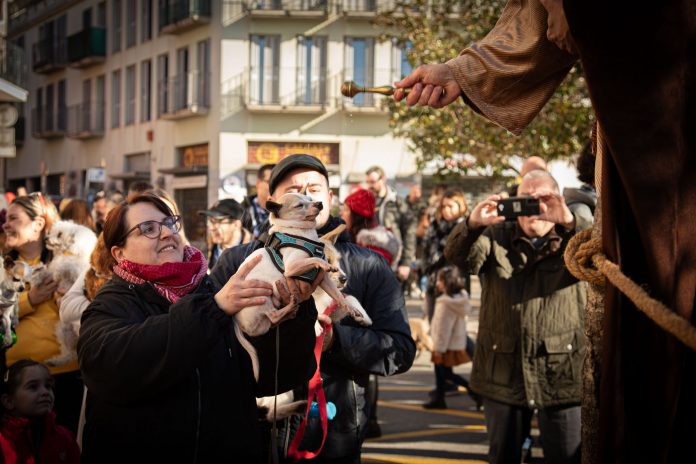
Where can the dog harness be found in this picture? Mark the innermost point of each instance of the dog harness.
(278, 240)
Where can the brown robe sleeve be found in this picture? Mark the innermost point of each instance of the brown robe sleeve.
(510, 74)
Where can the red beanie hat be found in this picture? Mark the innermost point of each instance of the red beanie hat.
(362, 203)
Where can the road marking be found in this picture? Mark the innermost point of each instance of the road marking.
(390, 458)
(425, 433)
(446, 412)
(403, 389)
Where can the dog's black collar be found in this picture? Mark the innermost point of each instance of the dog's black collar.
(278, 240)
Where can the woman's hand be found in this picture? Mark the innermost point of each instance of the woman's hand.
(486, 213)
(239, 293)
(43, 291)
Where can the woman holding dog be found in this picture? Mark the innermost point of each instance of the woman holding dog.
(29, 217)
(166, 376)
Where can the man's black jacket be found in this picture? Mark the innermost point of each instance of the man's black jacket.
(385, 348)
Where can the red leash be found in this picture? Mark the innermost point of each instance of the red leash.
(315, 389)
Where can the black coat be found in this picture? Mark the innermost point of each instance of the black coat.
(166, 382)
(385, 348)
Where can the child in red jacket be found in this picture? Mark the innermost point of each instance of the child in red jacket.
(28, 433)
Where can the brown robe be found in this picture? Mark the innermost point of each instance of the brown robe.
(640, 63)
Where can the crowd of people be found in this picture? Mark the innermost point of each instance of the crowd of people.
(159, 370)
(159, 363)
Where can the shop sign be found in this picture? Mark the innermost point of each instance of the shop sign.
(273, 152)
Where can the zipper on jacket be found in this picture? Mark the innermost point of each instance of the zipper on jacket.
(198, 417)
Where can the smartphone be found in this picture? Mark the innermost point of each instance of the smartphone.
(512, 208)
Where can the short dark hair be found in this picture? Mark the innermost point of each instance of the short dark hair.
(376, 169)
(13, 375)
(585, 164)
(115, 226)
(262, 170)
(140, 186)
(452, 279)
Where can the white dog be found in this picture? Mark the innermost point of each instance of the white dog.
(283, 405)
(293, 217)
(72, 245)
(10, 287)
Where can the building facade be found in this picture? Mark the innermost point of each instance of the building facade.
(194, 95)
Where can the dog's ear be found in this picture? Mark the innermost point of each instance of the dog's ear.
(273, 207)
(8, 262)
(332, 236)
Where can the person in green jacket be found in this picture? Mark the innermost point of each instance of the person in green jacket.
(530, 342)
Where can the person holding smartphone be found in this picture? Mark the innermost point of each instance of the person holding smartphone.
(530, 343)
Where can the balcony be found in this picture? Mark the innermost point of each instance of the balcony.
(47, 122)
(86, 120)
(177, 16)
(13, 70)
(283, 8)
(267, 89)
(184, 96)
(293, 91)
(87, 47)
(49, 55)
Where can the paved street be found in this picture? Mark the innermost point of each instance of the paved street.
(411, 434)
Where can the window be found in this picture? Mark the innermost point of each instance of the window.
(116, 25)
(86, 18)
(131, 23)
(100, 97)
(50, 105)
(146, 20)
(162, 84)
(101, 14)
(181, 80)
(311, 70)
(203, 75)
(84, 114)
(400, 65)
(40, 112)
(62, 116)
(130, 95)
(265, 71)
(145, 90)
(116, 99)
(360, 64)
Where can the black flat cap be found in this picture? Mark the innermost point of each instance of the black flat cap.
(225, 208)
(291, 162)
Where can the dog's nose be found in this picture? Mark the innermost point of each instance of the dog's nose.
(20, 289)
(319, 205)
(343, 279)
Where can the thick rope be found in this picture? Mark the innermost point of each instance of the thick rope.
(582, 249)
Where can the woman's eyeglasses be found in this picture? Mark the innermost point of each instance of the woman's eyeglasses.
(153, 229)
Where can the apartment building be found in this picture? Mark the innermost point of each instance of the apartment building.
(195, 95)
(12, 90)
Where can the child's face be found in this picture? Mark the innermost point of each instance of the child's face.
(440, 285)
(34, 396)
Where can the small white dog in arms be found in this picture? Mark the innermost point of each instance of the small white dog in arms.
(71, 244)
(283, 405)
(11, 286)
(293, 220)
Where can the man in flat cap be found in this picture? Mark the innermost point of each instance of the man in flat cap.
(351, 352)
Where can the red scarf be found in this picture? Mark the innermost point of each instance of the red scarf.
(171, 280)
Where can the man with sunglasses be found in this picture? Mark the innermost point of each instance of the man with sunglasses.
(225, 229)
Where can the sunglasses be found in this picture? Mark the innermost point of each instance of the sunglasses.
(153, 229)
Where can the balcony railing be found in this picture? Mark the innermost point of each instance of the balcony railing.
(49, 55)
(87, 47)
(177, 16)
(12, 63)
(294, 90)
(48, 122)
(184, 96)
(235, 9)
(86, 120)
